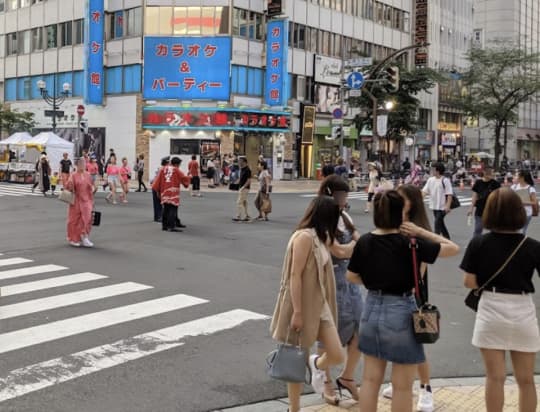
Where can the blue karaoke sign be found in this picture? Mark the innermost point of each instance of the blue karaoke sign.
(187, 68)
(277, 78)
(94, 79)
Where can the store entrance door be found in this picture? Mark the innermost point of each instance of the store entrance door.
(253, 148)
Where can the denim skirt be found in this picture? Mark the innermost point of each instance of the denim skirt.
(386, 329)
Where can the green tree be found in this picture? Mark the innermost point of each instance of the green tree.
(12, 121)
(403, 118)
(499, 79)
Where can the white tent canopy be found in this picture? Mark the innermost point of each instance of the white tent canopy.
(54, 145)
(17, 139)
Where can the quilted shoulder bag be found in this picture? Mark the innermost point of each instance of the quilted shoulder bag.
(288, 362)
(473, 298)
(426, 318)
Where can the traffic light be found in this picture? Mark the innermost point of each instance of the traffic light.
(336, 132)
(392, 73)
(83, 126)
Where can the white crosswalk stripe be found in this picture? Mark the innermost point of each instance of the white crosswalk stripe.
(464, 200)
(47, 373)
(17, 190)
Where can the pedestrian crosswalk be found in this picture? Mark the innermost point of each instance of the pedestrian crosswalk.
(464, 200)
(20, 276)
(17, 190)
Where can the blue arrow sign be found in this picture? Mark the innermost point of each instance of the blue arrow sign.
(355, 80)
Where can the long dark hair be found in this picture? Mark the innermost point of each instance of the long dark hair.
(526, 175)
(417, 212)
(329, 186)
(322, 215)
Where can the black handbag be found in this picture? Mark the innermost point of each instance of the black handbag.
(96, 218)
(455, 201)
(473, 298)
(426, 318)
(234, 186)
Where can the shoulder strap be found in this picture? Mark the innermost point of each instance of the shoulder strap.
(413, 245)
(504, 264)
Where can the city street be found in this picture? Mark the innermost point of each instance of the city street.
(156, 321)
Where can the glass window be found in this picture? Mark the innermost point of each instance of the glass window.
(301, 44)
(24, 3)
(134, 21)
(243, 23)
(325, 43)
(114, 25)
(113, 80)
(242, 76)
(13, 4)
(132, 78)
(2, 5)
(24, 88)
(37, 38)
(208, 25)
(11, 44)
(180, 20)
(151, 20)
(222, 21)
(78, 31)
(165, 20)
(259, 26)
(25, 42)
(314, 40)
(379, 13)
(78, 83)
(52, 36)
(66, 34)
(10, 91)
(194, 20)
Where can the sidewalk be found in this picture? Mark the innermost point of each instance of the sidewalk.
(450, 395)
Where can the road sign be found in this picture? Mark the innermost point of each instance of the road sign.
(355, 80)
(52, 113)
(337, 121)
(337, 113)
(360, 62)
(355, 93)
(80, 110)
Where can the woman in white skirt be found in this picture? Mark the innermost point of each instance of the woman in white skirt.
(506, 318)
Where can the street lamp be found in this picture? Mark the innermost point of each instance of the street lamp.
(53, 100)
(389, 105)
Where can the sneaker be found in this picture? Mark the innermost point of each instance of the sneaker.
(75, 244)
(317, 375)
(86, 242)
(387, 392)
(425, 401)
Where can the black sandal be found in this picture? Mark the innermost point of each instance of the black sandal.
(340, 386)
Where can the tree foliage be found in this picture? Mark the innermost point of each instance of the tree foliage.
(13, 121)
(499, 79)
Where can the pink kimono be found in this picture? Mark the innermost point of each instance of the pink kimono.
(80, 213)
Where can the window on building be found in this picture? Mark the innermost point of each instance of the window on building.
(35, 1)
(78, 31)
(24, 3)
(2, 6)
(10, 90)
(180, 21)
(25, 42)
(114, 25)
(24, 88)
(222, 21)
(132, 78)
(247, 24)
(208, 26)
(11, 44)
(194, 20)
(52, 36)
(37, 38)
(66, 34)
(151, 20)
(134, 21)
(159, 20)
(113, 80)
(2, 46)
(13, 4)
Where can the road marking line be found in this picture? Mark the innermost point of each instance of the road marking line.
(32, 378)
(16, 289)
(68, 299)
(32, 270)
(47, 332)
(14, 261)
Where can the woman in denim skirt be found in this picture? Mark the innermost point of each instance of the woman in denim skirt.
(382, 261)
(348, 295)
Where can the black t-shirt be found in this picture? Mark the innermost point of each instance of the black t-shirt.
(384, 262)
(483, 189)
(65, 165)
(245, 176)
(486, 254)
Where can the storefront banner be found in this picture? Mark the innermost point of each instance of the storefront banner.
(327, 70)
(215, 119)
(327, 98)
(274, 8)
(424, 138)
(449, 139)
(94, 44)
(277, 78)
(308, 124)
(187, 68)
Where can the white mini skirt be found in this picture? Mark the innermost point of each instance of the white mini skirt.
(506, 322)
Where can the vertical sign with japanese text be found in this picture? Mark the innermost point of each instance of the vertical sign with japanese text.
(421, 33)
(277, 79)
(308, 124)
(94, 81)
(187, 68)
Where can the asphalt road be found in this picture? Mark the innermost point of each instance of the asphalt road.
(195, 365)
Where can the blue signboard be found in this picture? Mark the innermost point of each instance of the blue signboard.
(277, 79)
(187, 68)
(94, 43)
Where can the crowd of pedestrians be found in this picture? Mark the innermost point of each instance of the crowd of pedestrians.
(354, 295)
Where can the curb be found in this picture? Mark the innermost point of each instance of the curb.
(313, 399)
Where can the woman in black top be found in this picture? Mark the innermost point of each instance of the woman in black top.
(382, 261)
(506, 318)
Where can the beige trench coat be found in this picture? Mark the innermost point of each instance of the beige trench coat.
(318, 287)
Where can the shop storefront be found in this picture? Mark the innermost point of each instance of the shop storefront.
(423, 144)
(326, 149)
(449, 145)
(212, 132)
(528, 144)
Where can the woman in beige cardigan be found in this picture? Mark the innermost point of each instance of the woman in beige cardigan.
(306, 305)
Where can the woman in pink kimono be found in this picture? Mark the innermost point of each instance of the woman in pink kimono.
(79, 221)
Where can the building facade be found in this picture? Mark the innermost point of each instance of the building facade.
(207, 77)
(518, 22)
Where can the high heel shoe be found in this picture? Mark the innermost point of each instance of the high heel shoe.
(341, 386)
(330, 400)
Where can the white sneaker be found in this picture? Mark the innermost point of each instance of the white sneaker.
(387, 392)
(425, 401)
(317, 375)
(75, 244)
(86, 242)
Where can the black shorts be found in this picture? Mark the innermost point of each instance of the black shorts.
(196, 183)
(370, 196)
